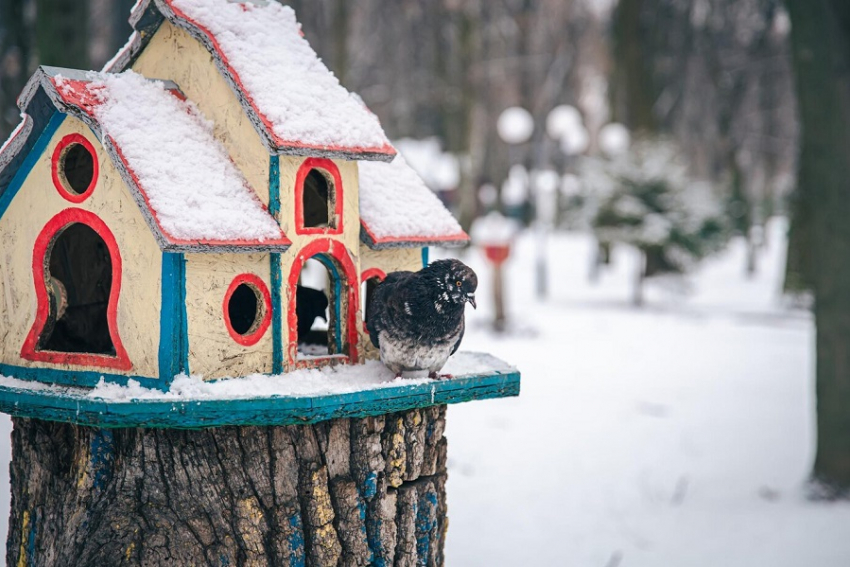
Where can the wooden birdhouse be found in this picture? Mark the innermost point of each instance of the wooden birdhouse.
(214, 203)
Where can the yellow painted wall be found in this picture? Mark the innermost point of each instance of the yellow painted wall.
(174, 54)
(350, 237)
(35, 204)
(212, 351)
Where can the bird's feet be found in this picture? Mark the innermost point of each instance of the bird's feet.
(436, 376)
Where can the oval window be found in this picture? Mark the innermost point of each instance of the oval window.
(247, 309)
(75, 168)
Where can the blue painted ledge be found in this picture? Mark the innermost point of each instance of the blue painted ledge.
(79, 406)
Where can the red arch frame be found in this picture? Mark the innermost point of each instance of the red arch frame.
(303, 171)
(253, 280)
(338, 252)
(366, 276)
(55, 160)
(373, 273)
(121, 361)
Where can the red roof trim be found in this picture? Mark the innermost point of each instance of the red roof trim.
(283, 240)
(457, 237)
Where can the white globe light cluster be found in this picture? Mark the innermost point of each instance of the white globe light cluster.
(515, 125)
(614, 139)
(565, 124)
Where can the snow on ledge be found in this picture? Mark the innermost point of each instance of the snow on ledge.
(304, 383)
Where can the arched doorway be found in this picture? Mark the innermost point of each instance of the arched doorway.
(338, 306)
(77, 279)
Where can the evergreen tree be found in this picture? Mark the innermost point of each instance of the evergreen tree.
(645, 198)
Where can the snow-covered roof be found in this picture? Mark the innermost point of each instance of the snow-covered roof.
(397, 209)
(296, 104)
(190, 192)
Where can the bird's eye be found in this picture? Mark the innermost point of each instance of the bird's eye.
(457, 283)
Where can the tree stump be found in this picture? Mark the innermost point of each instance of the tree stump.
(344, 492)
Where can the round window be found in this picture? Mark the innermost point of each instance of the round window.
(247, 309)
(75, 168)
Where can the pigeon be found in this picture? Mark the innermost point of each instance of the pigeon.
(416, 319)
(309, 304)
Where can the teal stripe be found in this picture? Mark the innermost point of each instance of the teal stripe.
(424, 256)
(276, 276)
(30, 161)
(337, 306)
(173, 324)
(88, 378)
(274, 187)
(76, 407)
(277, 315)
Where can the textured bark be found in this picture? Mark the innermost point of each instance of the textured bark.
(345, 492)
(821, 48)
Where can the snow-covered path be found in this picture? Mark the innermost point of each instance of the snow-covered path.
(676, 435)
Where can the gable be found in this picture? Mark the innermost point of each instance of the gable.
(192, 196)
(294, 102)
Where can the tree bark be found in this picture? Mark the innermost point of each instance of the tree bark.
(821, 51)
(345, 492)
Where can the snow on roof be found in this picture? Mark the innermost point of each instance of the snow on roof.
(295, 101)
(397, 209)
(188, 185)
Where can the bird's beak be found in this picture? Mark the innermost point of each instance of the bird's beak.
(470, 297)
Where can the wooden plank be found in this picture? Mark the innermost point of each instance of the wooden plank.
(71, 405)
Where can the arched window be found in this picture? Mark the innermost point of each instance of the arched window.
(77, 279)
(322, 305)
(74, 168)
(369, 280)
(318, 198)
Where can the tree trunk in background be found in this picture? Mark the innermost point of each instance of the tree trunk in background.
(345, 492)
(821, 51)
(15, 61)
(632, 85)
(61, 33)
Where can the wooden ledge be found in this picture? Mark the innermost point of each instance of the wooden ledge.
(80, 406)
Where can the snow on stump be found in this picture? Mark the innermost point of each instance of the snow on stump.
(364, 491)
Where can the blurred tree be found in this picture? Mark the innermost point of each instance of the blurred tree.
(15, 59)
(61, 33)
(645, 198)
(716, 76)
(821, 51)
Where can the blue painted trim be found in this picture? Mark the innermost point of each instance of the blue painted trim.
(277, 314)
(274, 187)
(62, 404)
(276, 276)
(87, 378)
(337, 283)
(30, 161)
(424, 256)
(173, 324)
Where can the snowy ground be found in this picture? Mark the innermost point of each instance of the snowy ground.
(676, 435)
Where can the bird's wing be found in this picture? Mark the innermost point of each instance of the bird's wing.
(460, 337)
(385, 293)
